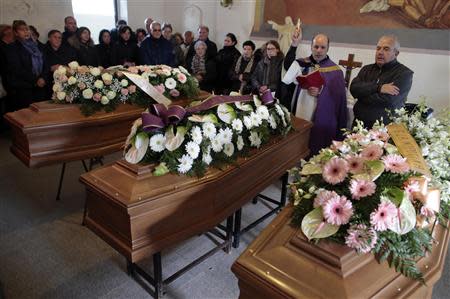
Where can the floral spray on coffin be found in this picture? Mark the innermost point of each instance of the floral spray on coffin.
(363, 193)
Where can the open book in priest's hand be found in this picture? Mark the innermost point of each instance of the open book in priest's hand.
(313, 79)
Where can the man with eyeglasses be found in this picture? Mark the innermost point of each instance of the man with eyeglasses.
(155, 49)
(324, 105)
(381, 86)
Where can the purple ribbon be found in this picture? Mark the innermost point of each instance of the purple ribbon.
(159, 117)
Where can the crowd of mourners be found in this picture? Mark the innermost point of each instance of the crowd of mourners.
(27, 64)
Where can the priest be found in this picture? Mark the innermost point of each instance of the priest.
(324, 105)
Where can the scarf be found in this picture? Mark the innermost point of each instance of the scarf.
(198, 65)
(249, 66)
(36, 56)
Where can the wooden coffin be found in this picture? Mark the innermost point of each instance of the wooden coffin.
(139, 214)
(46, 133)
(281, 263)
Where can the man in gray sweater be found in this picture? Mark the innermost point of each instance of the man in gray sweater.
(382, 86)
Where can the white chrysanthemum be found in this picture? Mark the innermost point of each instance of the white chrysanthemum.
(256, 119)
(98, 84)
(254, 139)
(170, 83)
(87, 93)
(225, 135)
(107, 77)
(57, 87)
(237, 125)
(111, 94)
(272, 122)
(196, 134)
(228, 149)
(158, 143)
(192, 149)
(124, 83)
(74, 65)
(72, 80)
(240, 143)
(60, 95)
(209, 130)
(216, 144)
(95, 71)
(185, 164)
(248, 122)
(207, 158)
(263, 112)
(279, 110)
(104, 100)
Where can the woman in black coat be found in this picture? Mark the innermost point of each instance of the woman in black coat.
(127, 51)
(225, 60)
(105, 49)
(86, 51)
(26, 71)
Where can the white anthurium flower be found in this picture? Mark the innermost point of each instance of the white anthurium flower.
(170, 83)
(193, 149)
(183, 70)
(104, 100)
(243, 106)
(95, 71)
(98, 84)
(87, 93)
(228, 149)
(257, 101)
(185, 164)
(226, 113)
(138, 149)
(157, 143)
(173, 141)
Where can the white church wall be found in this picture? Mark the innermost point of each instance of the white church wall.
(43, 14)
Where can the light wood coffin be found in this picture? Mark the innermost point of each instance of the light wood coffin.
(281, 263)
(46, 133)
(139, 214)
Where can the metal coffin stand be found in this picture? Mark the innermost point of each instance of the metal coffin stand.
(140, 215)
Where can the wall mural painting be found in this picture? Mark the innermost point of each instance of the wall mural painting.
(429, 14)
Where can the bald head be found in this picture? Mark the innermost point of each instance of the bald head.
(319, 47)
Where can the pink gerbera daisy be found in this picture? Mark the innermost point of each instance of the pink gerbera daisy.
(395, 163)
(361, 238)
(362, 188)
(372, 152)
(338, 210)
(335, 171)
(379, 135)
(383, 216)
(355, 164)
(323, 197)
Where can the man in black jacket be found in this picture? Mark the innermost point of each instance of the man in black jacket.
(381, 86)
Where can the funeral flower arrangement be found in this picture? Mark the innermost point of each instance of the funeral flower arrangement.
(362, 193)
(96, 88)
(212, 133)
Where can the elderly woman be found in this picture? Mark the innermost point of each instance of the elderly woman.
(267, 74)
(203, 68)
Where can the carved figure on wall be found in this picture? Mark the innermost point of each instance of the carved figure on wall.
(285, 32)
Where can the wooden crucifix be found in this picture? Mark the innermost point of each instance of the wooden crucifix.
(349, 65)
